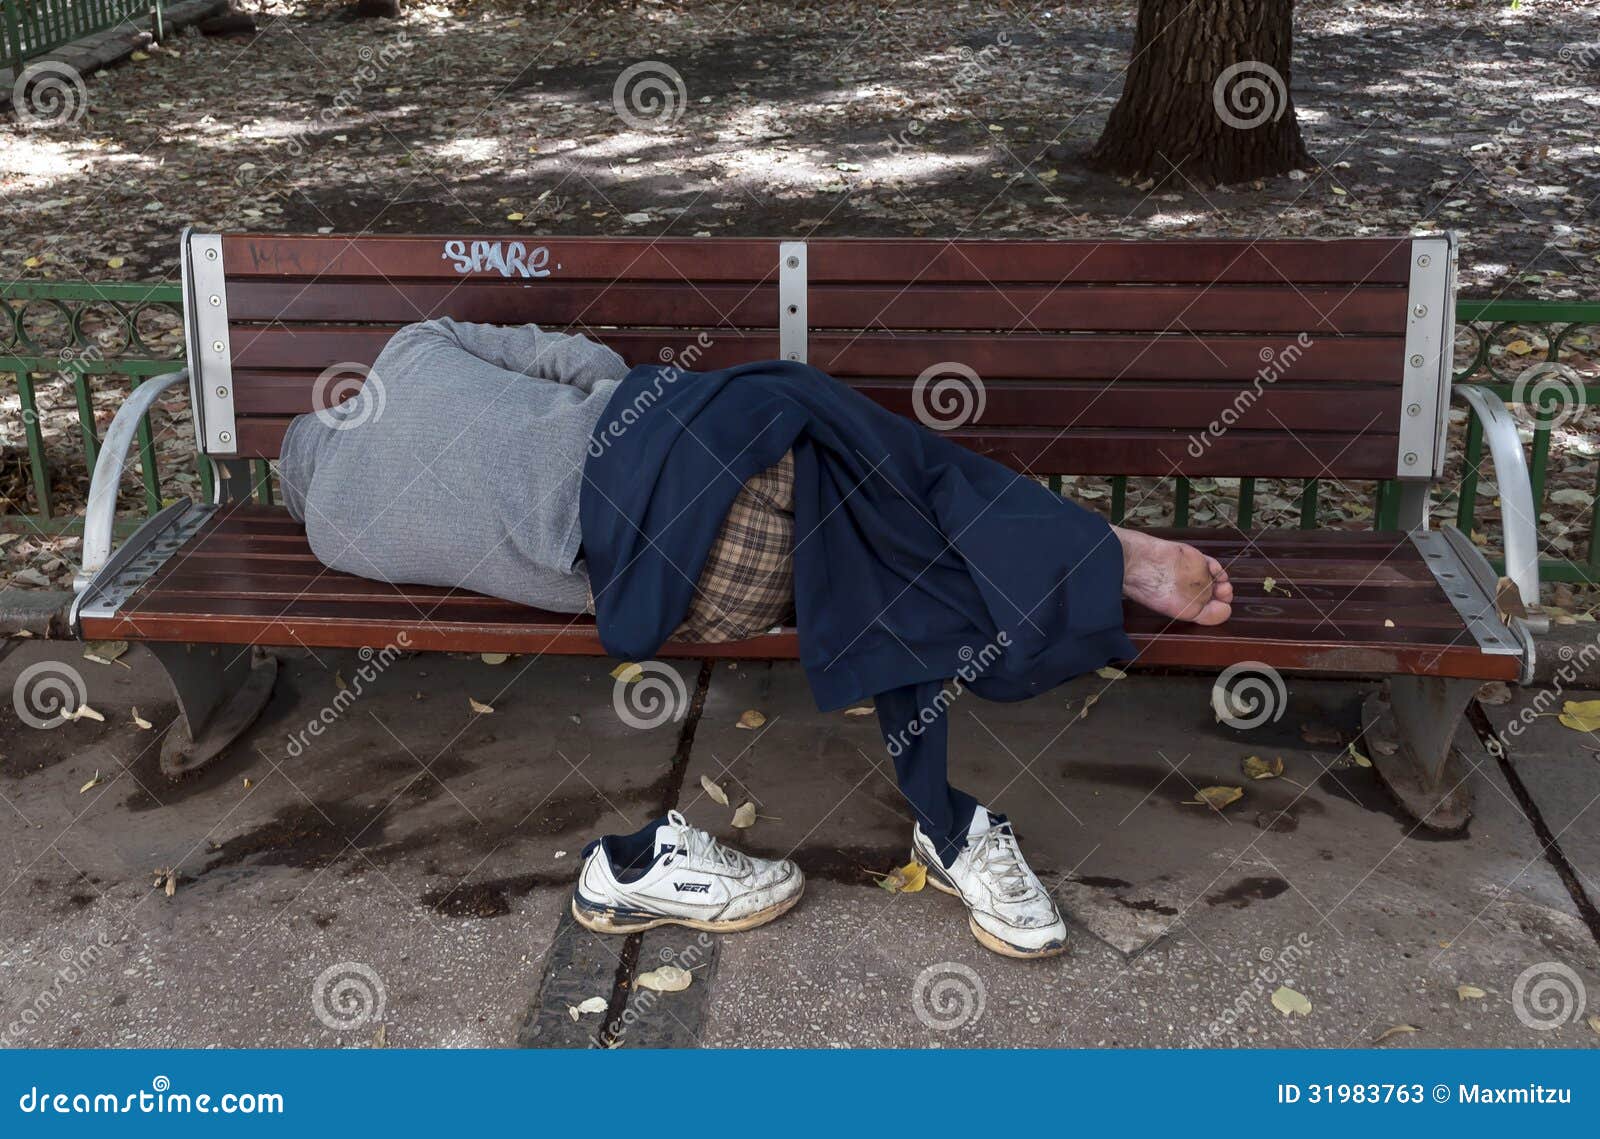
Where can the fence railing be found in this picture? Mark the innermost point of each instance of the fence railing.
(82, 339)
(34, 27)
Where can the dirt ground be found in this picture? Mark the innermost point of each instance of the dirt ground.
(799, 120)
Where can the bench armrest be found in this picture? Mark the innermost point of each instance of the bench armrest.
(102, 509)
(1519, 518)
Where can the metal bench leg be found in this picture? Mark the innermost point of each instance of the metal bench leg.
(1410, 735)
(221, 690)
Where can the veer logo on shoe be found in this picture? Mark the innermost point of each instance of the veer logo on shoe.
(692, 887)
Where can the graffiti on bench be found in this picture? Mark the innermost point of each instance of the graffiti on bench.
(511, 259)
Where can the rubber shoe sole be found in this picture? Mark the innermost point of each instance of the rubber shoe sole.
(937, 879)
(613, 919)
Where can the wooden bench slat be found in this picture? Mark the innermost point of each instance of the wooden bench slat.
(1317, 310)
(305, 350)
(1071, 403)
(1332, 261)
(1045, 451)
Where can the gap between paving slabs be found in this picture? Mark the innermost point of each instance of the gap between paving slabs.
(581, 964)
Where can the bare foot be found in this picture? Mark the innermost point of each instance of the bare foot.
(1173, 579)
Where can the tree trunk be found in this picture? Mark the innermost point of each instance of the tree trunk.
(388, 9)
(1206, 95)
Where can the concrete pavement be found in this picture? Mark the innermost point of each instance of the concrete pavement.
(399, 877)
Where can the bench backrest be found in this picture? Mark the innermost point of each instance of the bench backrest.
(1291, 358)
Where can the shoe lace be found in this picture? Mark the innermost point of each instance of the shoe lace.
(698, 846)
(999, 858)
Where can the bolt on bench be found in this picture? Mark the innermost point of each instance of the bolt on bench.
(1316, 359)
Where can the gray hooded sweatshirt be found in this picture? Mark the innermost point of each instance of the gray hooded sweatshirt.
(459, 462)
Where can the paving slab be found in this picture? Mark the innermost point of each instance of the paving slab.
(428, 843)
(1312, 880)
(1560, 768)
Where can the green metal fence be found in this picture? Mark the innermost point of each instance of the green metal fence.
(98, 341)
(34, 27)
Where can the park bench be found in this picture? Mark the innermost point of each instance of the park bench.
(1300, 359)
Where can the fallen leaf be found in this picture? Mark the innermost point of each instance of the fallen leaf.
(494, 658)
(1594, 1023)
(479, 706)
(1494, 692)
(867, 711)
(1320, 734)
(380, 1038)
(142, 723)
(666, 979)
(627, 672)
(1268, 584)
(84, 712)
(1387, 623)
(1216, 797)
(1469, 993)
(909, 879)
(340, 683)
(513, 217)
(1361, 760)
(750, 720)
(572, 1012)
(745, 816)
(104, 652)
(591, 1005)
(1395, 1030)
(1257, 768)
(1089, 701)
(115, 262)
(1287, 1001)
(138, 56)
(1581, 715)
(718, 795)
(248, 783)
(1110, 673)
(95, 782)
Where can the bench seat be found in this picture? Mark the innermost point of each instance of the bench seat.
(246, 575)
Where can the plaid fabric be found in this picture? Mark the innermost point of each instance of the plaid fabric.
(747, 585)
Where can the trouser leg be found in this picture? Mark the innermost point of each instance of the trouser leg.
(916, 730)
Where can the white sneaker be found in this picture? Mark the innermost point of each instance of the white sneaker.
(1008, 908)
(679, 875)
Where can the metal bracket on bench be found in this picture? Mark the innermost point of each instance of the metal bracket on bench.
(1430, 348)
(138, 559)
(1448, 555)
(792, 300)
(205, 329)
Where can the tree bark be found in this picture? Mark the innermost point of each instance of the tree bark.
(1206, 95)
